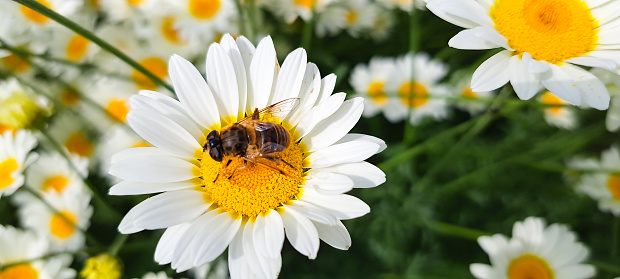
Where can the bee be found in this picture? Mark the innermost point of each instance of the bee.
(253, 138)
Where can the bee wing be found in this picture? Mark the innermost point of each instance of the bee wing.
(274, 113)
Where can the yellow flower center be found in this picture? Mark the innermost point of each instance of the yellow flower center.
(7, 168)
(22, 271)
(375, 91)
(305, 3)
(549, 30)
(468, 94)
(141, 144)
(529, 266)
(102, 266)
(36, 16)
(548, 98)
(6, 127)
(69, 98)
(18, 110)
(155, 65)
(77, 143)
(14, 63)
(168, 30)
(135, 2)
(351, 17)
(77, 47)
(63, 224)
(118, 109)
(253, 189)
(56, 182)
(613, 185)
(204, 9)
(413, 94)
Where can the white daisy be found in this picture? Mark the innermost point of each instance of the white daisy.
(612, 82)
(405, 5)
(51, 173)
(163, 33)
(112, 95)
(19, 107)
(68, 45)
(417, 75)
(152, 275)
(470, 101)
(600, 179)
(199, 21)
(249, 207)
(212, 270)
(558, 114)
(543, 41)
(20, 246)
(114, 140)
(382, 24)
(534, 251)
(73, 134)
(63, 225)
(370, 81)
(290, 10)
(15, 156)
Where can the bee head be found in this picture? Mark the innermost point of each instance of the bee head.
(214, 146)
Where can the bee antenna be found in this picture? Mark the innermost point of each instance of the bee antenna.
(223, 169)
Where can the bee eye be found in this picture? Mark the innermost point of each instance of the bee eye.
(238, 146)
(216, 154)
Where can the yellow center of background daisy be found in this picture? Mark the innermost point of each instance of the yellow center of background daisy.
(63, 224)
(118, 109)
(7, 167)
(22, 271)
(168, 30)
(375, 91)
(549, 30)
(529, 266)
(35, 16)
(467, 93)
(77, 143)
(155, 65)
(549, 99)
(56, 182)
(77, 47)
(204, 9)
(613, 185)
(14, 63)
(254, 189)
(306, 3)
(69, 98)
(419, 92)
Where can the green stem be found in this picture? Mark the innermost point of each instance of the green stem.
(38, 7)
(242, 18)
(615, 235)
(306, 39)
(118, 243)
(455, 230)
(96, 195)
(613, 268)
(414, 45)
(252, 16)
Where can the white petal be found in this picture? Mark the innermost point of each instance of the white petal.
(154, 169)
(328, 183)
(328, 83)
(481, 270)
(534, 66)
(481, 37)
(335, 235)
(221, 231)
(168, 107)
(193, 92)
(237, 262)
(263, 267)
(492, 73)
(169, 209)
(310, 90)
(590, 61)
(186, 250)
(162, 132)
(344, 207)
(525, 84)
(438, 7)
(593, 91)
(168, 241)
(222, 79)
(318, 113)
(290, 76)
(354, 136)
(336, 126)
(313, 212)
(348, 152)
(300, 232)
(363, 174)
(138, 152)
(561, 84)
(236, 58)
(136, 188)
(612, 121)
(269, 234)
(261, 75)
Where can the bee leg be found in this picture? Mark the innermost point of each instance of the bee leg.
(288, 164)
(223, 169)
(263, 164)
(231, 175)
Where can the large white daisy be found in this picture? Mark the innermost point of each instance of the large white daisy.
(15, 156)
(252, 210)
(534, 251)
(544, 40)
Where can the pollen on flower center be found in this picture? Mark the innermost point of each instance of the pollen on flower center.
(7, 167)
(529, 266)
(549, 30)
(22, 271)
(253, 189)
(613, 185)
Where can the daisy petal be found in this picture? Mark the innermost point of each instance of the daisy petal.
(263, 267)
(318, 113)
(313, 212)
(593, 91)
(269, 234)
(561, 84)
(335, 126)
(222, 80)
(344, 207)
(481, 37)
(237, 262)
(167, 242)
(328, 83)
(193, 92)
(290, 76)
(154, 169)
(363, 174)
(169, 209)
(492, 73)
(438, 8)
(261, 75)
(186, 250)
(138, 152)
(348, 152)
(310, 90)
(328, 183)
(221, 231)
(300, 232)
(136, 188)
(236, 58)
(481, 270)
(525, 84)
(335, 235)
(354, 136)
(590, 61)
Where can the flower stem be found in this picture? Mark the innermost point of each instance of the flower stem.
(118, 242)
(414, 45)
(615, 234)
(36, 6)
(306, 39)
(455, 230)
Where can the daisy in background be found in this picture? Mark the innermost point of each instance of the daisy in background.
(534, 251)
(543, 40)
(66, 45)
(470, 101)
(114, 140)
(405, 5)
(75, 136)
(414, 83)
(64, 225)
(558, 114)
(290, 10)
(112, 95)
(599, 179)
(15, 156)
(51, 173)
(382, 25)
(198, 22)
(369, 81)
(354, 16)
(163, 33)
(612, 82)
(25, 246)
(19, 107)
(208, 205)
